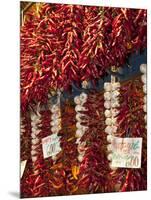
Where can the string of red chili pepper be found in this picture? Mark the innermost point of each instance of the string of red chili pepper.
(131, 124)
(70, 148)
(109, 36)
(72, 28)
(65, 43)
(37, 180)
(63, 177)
(94, 167)
(25, 147)
(25, 130)
(39, 50)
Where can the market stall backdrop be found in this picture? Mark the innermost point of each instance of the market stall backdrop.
(79, 167)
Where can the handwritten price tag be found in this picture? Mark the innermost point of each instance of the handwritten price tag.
(51, 145)
(126, 152)
(22, 167)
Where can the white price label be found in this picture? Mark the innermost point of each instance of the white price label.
(126, 152)
(51, 145)
(22, 167)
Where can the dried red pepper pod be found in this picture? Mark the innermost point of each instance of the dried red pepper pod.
(131, 124)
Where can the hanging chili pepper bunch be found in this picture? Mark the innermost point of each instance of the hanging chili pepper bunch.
(131, 123)
(94, 166)
(69, 146)
(62, 44)
(36, 182)
(25, 142)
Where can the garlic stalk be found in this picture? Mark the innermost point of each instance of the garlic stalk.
(79, 101)
(56, 118)
(143, 69)
(35, 124)
(111, 104)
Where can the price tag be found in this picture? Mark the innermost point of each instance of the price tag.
(22, 167)
(51, 145)
(126, 152)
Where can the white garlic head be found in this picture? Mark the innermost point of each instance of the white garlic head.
(115, 86)
(107, 104)
(109, 157)
(83, 97)
(143, 68)
(107, 96)
(108, 130)
(107, 87)
(107, 113)
(115, 94)
(108, 121)
(79, 133)
(145, 88)
(115, 112)
(144, 78)
(77, 100)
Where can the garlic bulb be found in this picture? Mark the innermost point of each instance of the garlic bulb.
(55, 108)
(108, 121)
(107, 87)
(145, 99)
(109, 138)
(109, 147)
(34, 158)
(81, 148)
(78, 125)
(115, 94)
(114, 112)
(107, 104)
(115, 103)
(109, 130)
(35, 141)
(83, 97)
(80, 108)
(56, 122)
(77, 100)
(145, 108)
(33, 135)
(114, 129)
(112, 168)
(55, 116)
(79, 133)
(115, 86)
(80, 158)
(78, 117)
(107, 96)
(33, 152)
(143, 78)
(108, 113)
(145, 88)
(109, 157)
(114, 121)
(55, 129)
(33, 147)
(143, 68)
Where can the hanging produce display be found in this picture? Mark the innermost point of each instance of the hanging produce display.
(83, 82)
(61, 44)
